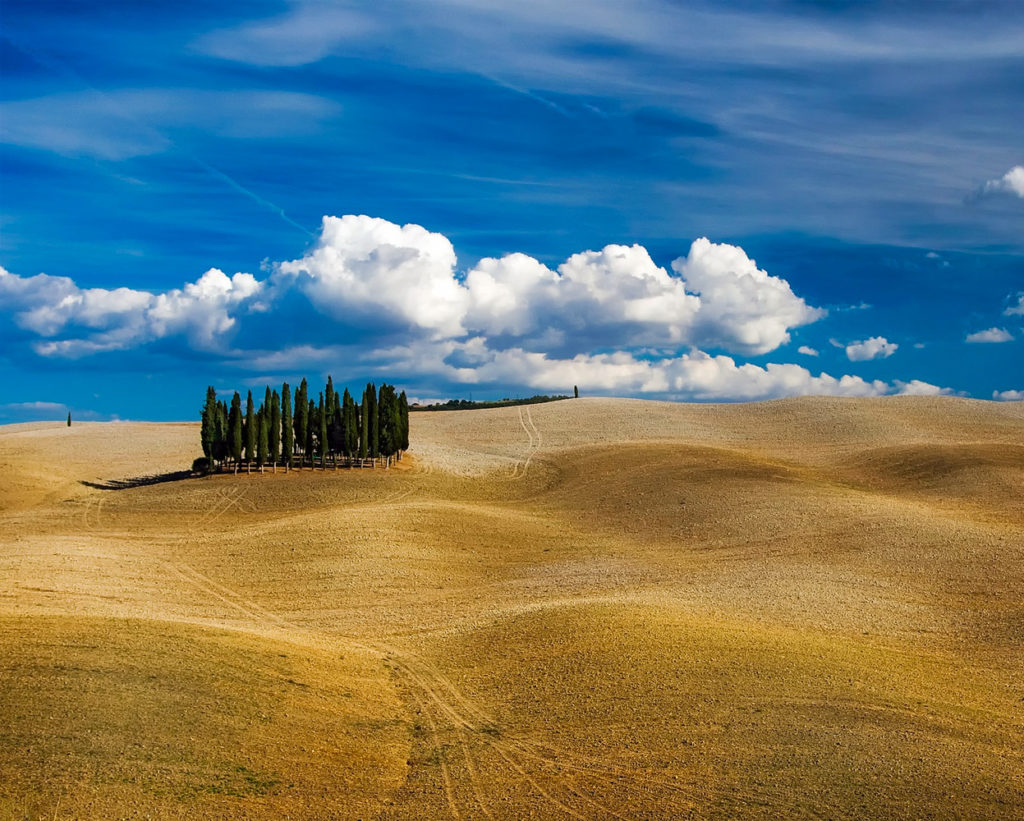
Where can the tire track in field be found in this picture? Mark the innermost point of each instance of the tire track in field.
(229, 497)
(444, 705)
(420, 689)
(554, 758)
(92, 511)
(522, 465)
(432, 681)
(263, 617)
(535, 440)
(529, 418)
(449, 790)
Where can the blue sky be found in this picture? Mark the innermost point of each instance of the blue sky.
(694, 201)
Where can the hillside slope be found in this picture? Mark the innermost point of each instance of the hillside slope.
(590, 608)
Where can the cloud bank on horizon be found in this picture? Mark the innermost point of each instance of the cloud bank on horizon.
(374, 294)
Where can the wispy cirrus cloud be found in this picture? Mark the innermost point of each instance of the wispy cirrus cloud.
(311, 30)
(124, 123)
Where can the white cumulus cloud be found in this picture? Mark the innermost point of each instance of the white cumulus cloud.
(915, 387)
(806, 350)
(990, 335)
(1012, 182)
(92, 320)
(1008, 396)
(743, 308)
(365, 267)
(386, 298)
(877, 347)
(368, 267)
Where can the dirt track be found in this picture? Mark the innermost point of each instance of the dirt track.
(585, 609)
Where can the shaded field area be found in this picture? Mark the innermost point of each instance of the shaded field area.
(583, 609)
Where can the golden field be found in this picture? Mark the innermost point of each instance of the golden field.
(587, 609)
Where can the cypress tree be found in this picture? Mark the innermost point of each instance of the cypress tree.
(322, 431)
(335, 431)
(365, 426)
(266, 410)
(387, 434)
(312, 426)
(301, 417)
(235, 430)
(287, 432)
(350, 433)
(220, 441)
(274, 432)
(329, 399)
(69, 419)
(250, 430)
(373, 431)
(403, 410)
(262, 438)
(208, 431)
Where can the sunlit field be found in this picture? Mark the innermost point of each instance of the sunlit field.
(588, 609)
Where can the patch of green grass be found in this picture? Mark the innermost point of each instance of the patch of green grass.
(239, 782)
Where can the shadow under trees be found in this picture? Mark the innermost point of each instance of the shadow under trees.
(140, 481)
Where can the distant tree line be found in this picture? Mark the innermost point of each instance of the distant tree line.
(333, 431)
(469, 404)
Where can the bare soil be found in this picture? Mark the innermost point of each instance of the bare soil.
(585, 609)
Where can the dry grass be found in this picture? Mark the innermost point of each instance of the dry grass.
(591, 609)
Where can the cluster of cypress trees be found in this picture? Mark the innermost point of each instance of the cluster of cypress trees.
(333, 429)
